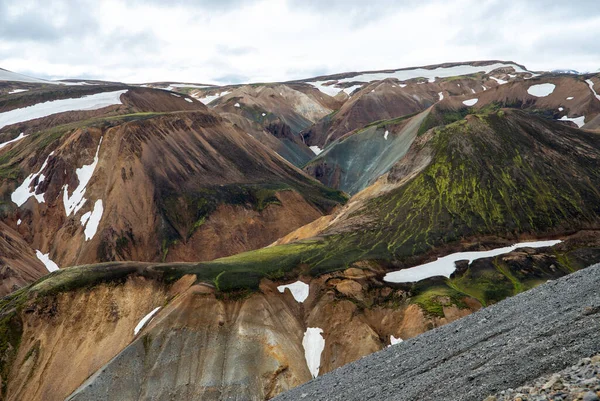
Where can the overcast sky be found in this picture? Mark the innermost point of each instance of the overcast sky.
(232, 41)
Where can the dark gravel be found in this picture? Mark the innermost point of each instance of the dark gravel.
(506, 345)
(580, 382)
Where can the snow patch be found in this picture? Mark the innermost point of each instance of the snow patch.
(317, 150)
(23, 192)
(187, 99)
(500, 81)
(190, 86)
(89, 102)
(18, 91)
(445, 266)
(330, 90)
(84, 175)
(402, 85)
(579, 121)
(591, 85)
(175, 94)
(541, 90)
(394, 340)
(264, 114)
(386, 135)
(470, 102)
(298, 289)
(237, 105)
(92, 219)
(210, 98)
(484, 88)
(19, 222)
(441, 95)
(21, 136)
(560, 109)
(45, 259)
(431, 75)
(570, 98)
(351, 89)
(145, 320)
(314, 344)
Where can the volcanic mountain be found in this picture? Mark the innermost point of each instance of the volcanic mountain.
(469, 163)
(157, 176)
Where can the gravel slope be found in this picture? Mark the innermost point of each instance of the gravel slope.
(506, 345)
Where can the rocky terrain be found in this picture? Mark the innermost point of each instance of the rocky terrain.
(188, 241)
(578, 382)
(508, 344)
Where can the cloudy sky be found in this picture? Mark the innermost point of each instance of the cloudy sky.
(232, 41)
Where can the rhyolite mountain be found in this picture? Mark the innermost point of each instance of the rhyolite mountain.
(171, 179)
(438, 159)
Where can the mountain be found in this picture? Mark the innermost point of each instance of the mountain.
(519, 339)
(91, 178)
(201, 259)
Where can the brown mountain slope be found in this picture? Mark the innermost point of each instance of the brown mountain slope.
(19, 265)
(281, 110)
(162, 186)
(382, 96)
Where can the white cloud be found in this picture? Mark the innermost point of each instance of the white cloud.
(268, 40)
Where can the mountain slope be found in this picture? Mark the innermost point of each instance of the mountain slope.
(139, 181)
(82, 319)
(519, 339)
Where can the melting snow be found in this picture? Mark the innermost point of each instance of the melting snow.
(189, 86)
(144, 320)
(84, 175)
(386, 135)
(314, 344)
(330, 90)
(441, 95)
(352, 89)
(470, 102)
(45, 258)
(23, 192)
(21, 136)
(394, 340)
(210, 98)
(298, 289)
(237, 105)
(92, 219)
(591, 84)
(500, 81)
(580, 121)
(18, 91)
(541, 90)
(317, 150)
(441, 72)
(89, 102)
(445, 266)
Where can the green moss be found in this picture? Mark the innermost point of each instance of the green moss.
(432, 299)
